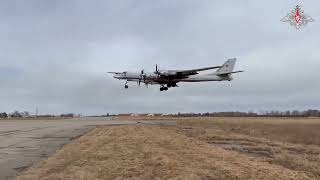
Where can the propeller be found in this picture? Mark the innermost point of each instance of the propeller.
(143, 77)
(157, 71)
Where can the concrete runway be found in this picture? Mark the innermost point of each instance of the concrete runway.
(25, 142)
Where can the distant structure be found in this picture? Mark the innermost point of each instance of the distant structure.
(150, 115)
(25, 114)
(69, 115)
(134, 115)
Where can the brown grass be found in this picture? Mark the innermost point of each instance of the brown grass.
(151, 118)
(291, 143)
(196, 148)
(293, 130)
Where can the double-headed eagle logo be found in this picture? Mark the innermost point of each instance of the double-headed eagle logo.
(297, 18)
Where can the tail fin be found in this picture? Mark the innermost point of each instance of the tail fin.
(227, 67)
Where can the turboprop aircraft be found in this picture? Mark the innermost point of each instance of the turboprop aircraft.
(169, 78)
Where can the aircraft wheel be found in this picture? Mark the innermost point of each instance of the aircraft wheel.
(126, 86)
(161, 89)
(165, 88)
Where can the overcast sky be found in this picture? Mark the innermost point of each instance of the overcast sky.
(55, 54)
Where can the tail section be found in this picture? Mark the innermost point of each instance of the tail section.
(227, 67)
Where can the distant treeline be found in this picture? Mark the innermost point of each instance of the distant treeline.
(25, 114)
(3, 115)
(295, 113)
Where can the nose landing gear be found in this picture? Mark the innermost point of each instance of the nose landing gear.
(126, 85)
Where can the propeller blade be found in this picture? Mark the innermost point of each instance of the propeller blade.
(157, 71)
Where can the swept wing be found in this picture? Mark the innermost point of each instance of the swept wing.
(183, 73)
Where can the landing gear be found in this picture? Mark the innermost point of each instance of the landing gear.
(163, 88)
(126, 85)
(171, 85)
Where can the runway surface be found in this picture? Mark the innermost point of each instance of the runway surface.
(25, 142)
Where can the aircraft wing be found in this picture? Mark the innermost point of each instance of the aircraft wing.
(117, 72)
(197, 70)
(185, 73)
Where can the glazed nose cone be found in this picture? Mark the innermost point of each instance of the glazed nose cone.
(117, 76)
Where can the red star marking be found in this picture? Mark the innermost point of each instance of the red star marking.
(297, 16)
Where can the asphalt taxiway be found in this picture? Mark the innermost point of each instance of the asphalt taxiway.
(25, 142)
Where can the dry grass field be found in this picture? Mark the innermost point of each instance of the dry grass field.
(291, 143)
(194, 148)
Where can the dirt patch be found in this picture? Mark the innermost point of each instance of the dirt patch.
(152, 152)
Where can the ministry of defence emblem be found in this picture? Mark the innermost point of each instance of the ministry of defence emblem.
(297, 18)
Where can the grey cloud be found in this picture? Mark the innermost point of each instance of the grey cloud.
(55, 55)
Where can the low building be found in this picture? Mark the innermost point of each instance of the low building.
(150, 115)
(134, 115)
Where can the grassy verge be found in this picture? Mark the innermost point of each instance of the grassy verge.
(154, 152)
(290, 143)
(195, 148)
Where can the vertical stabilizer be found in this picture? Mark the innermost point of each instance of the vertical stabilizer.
(227, 67)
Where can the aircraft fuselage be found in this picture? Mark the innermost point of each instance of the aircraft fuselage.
(169, 78)
(155, 78)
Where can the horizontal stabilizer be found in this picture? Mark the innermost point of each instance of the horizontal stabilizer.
(236, 72)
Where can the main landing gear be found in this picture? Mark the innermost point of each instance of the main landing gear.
(163, 88)
(169, 85)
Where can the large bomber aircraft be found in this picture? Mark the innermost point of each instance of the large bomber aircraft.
(169, 78)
